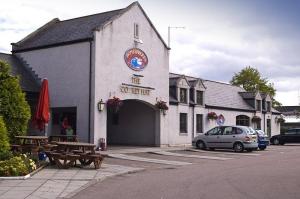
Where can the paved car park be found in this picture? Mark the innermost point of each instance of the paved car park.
(194, 172)
(273, 173)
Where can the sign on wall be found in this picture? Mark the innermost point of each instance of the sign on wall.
(136, 59)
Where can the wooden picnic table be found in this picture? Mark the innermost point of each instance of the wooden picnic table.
(30, 144)
(67, 153)
(63, 138)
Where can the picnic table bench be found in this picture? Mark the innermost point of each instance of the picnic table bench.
(67, 153)
(30, 144)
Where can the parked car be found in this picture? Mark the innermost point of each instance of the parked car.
(262, 140)
(238, 138)
(290, 136)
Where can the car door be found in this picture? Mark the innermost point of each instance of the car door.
(227, 137)
(212, 137)
(290, 136)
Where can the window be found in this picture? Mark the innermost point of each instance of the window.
(172, 91)
(136, 30)
(199, 97)
(215, 131)
(269, 106)
(228, 130)
(238, 131)
(258, 105)
(264, 105)
(183, 122)
(199, 123)
(183, 95)
(242, 120)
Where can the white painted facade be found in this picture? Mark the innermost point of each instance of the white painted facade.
(82, 74)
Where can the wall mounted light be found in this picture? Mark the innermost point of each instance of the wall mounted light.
(100, 105)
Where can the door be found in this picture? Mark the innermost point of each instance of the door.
(227, 137)
(269, 127)
(212, 137)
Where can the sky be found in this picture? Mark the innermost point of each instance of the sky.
(220, 38)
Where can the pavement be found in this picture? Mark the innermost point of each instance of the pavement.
(269, 174)
(52, 182)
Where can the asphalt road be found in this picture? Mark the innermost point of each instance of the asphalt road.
(273, 174)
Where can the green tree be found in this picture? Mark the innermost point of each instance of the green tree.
(13, 105)
(251, 80)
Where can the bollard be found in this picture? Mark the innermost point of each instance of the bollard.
(102, 144)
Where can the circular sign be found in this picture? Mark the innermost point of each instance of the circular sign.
(220, 120)
(136, 59)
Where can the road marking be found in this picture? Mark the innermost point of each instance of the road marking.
(141, 159)
(224, 153)
(190, 156)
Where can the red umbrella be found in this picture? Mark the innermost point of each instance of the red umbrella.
(42, 114)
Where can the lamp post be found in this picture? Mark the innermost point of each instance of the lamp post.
(169, 32)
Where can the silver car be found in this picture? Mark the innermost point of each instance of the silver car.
(238, 138)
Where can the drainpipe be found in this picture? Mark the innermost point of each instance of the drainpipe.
(193, 123)
(90, 93)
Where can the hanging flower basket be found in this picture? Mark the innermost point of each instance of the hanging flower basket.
(280, 119)
(114, 104)
(256, 118)
(212, 116)
(161, 105)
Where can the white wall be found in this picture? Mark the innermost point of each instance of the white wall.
(67, 70)
(111, 70)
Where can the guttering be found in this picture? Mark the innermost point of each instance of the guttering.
(51, 45)
(230, 109)
(90, 93)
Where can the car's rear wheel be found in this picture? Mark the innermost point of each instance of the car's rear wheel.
(200, 145)
(262, 147)
(276, 141)
(238, 147)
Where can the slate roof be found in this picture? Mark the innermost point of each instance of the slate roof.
(224, 95)
(72, 30)
(288, 109)
(28, 83)
(221, 94)
(57, 31)
(247, 95)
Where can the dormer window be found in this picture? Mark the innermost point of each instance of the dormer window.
(258, 105)
(269, 106)
(183, 95)
(136, 31)
(199, 97)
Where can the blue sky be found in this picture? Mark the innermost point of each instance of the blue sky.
(221, 36)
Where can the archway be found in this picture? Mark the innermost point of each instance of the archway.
(136, 123)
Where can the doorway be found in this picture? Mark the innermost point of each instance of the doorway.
(136, 123)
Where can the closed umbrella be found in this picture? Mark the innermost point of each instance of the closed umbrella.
(42, 114)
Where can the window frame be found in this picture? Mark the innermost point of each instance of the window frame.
(199, 126)
(201, 97)
(136, 31)
(184, 101)
(183, 123)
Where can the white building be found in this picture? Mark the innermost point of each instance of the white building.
(119, 53)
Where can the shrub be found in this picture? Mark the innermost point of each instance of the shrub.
(13, 106)
(212, 115)
(161, 105)
(4, 141)
(17, 166)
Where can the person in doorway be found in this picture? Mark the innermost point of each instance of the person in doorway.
(64, 125)
(69, 132)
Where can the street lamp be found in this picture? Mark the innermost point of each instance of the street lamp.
(169, 32)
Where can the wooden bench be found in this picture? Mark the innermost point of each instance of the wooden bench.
(64, 161)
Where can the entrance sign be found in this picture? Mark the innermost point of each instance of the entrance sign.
(220, 120)
(136, 59)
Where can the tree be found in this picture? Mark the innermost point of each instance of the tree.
(4, 141)
(13, 105)
(250, 79)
